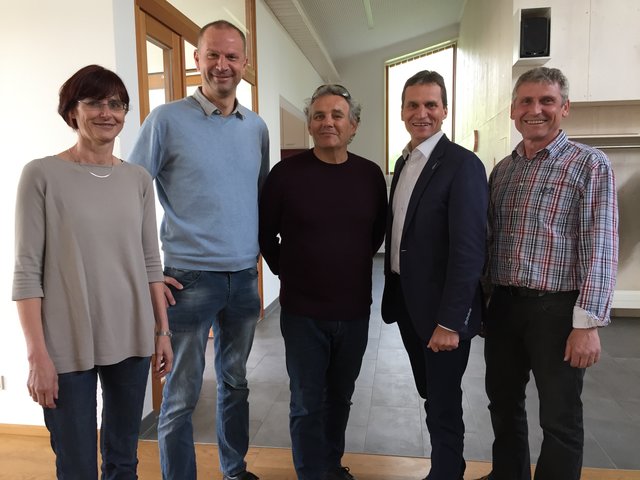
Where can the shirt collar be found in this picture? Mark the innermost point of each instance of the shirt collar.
(552, 150)
(426, 147)
(211, 109)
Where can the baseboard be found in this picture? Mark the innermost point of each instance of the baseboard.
(269, 309)
(24, 430)
(147, 423)
(626, 299)
(41, 431)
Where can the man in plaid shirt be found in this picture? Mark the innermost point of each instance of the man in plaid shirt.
(553, 251)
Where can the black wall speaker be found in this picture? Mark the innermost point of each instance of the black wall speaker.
(534, 37)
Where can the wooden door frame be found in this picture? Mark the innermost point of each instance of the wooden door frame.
(155, 17)
(165, 13)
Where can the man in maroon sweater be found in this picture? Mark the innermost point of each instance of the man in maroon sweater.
(328, 208)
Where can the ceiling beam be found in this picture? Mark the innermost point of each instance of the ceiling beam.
(295, 21)
(368, 13)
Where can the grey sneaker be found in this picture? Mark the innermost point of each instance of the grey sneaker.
(246, 475)
(340, 473)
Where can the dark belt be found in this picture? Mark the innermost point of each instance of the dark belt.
(523, 291)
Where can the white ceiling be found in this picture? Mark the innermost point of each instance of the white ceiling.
(330, 30)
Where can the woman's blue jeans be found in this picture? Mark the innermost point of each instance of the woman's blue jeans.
(73, 424)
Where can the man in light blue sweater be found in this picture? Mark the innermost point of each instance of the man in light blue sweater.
(209, 156)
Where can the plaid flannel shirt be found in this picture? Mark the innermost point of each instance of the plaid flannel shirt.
(553, 225)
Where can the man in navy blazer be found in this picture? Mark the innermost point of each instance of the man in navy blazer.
(434, 256)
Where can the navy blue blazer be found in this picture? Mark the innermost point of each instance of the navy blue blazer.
(442, 250)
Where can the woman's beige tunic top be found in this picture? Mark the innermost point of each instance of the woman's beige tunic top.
(89, 247)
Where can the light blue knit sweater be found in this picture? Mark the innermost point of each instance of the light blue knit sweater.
(208, 170)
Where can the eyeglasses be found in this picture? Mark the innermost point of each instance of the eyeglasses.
(113, 105)
(331, 89)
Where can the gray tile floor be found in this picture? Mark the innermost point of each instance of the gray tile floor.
(387, 415)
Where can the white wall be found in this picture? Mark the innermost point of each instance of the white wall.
(483, 91)
(41, 45)
(283, 71)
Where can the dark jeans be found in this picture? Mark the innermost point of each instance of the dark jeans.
(72, 424)
(323, 361)
(529, 334)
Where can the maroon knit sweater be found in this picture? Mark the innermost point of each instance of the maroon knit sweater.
(331, 221)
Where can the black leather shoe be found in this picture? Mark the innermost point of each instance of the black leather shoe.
(340, 473)
(241, 476)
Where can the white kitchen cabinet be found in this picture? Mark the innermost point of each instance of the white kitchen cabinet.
(614, 44)
(595, 43)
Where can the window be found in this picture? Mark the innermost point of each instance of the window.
(441, 59)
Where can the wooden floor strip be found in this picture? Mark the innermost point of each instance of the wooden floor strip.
(26, 455)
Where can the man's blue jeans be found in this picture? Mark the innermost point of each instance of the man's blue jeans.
(72, 424)
(323, 362)
(229, 303)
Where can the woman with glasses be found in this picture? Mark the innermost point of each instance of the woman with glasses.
(88, 284)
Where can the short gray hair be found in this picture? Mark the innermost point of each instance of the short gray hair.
(338, 90)
(544, 75)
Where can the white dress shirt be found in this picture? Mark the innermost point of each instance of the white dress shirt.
(414, 164)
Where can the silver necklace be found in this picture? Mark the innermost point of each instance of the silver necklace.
(87, 168)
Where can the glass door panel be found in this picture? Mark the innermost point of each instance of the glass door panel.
(159, 91)
(191, 74)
